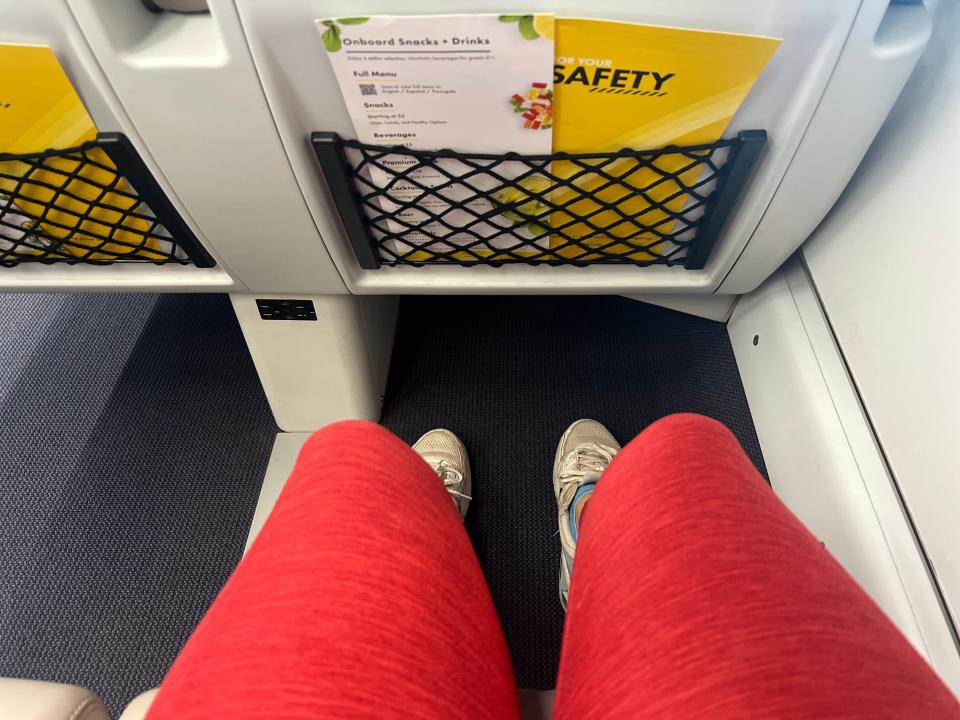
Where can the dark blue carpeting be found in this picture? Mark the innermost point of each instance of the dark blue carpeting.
(508, 375)
(135, 436)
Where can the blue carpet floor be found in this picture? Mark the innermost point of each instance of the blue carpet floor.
(135, 436)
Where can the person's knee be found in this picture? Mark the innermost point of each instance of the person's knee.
(356, 452)
(679, 439)
(341, 447)
(347, 435)
(679, 455)
(682, 429)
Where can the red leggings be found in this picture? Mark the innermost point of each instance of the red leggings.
(696, 593)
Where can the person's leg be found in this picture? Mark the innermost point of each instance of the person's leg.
(361, 597)
(697, 593)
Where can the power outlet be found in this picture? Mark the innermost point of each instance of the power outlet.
(286, 309)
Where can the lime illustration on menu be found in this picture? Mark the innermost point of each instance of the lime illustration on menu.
(478, 83)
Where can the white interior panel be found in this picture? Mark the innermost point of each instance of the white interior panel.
(881, 52)
(824, 462)
(885, 263)
(304, 96)
(50, 22)
(317, 372)
(189, 86)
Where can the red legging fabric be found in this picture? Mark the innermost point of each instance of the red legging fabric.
(696, 593)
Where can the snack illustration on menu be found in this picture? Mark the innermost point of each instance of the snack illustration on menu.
(572, 85)
(536, 107)
(433, 82)
(42, 110)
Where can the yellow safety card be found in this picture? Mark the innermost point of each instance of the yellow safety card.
(39, 110)
(622, 85)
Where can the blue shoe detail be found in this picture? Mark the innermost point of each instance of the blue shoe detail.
(582, 491)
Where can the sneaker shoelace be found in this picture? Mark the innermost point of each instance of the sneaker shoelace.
(584, 462)
(451, 477)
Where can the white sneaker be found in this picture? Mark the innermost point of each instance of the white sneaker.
(585, 451)
(443, 451)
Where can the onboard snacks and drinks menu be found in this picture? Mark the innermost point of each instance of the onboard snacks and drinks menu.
(39, 109)
(532, 84)
(474, 83)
